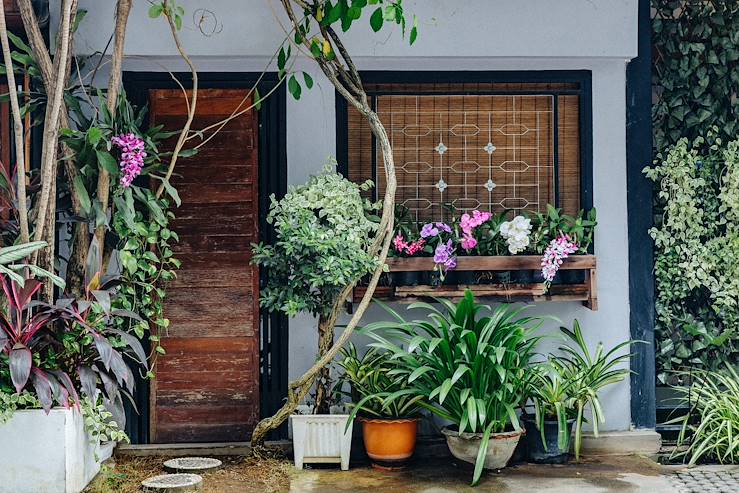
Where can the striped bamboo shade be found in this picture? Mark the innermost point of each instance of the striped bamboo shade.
(461, 147)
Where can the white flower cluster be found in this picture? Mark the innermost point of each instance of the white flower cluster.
(516, 233)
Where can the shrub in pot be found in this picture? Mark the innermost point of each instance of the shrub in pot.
(389, 433)
(563, 387)
(469, 364)
(323, 231)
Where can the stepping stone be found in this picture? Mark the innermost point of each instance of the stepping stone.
(166, 483)
(192, 464)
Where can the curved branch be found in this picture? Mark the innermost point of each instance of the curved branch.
(298, 389)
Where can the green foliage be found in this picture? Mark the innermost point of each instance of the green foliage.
(140, 220)
(371, 380)
(697, 255)
(696, 69)
(11, 401)
(710, 430)
(169, 9)
(468, 363)
(323, 234)
(100, 424)
(146, 258)
(549, 226)
(343, 13)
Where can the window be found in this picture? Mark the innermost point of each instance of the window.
(486, 145)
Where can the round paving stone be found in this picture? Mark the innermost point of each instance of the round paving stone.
(166, 483)
(192, 464)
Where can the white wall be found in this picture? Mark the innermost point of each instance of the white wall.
(596, 35)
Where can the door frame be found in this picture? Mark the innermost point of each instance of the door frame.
(272, 170)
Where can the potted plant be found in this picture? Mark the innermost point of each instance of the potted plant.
(323, 231)
(54, 358)
(548, 430)
(563, 387)
(389, 433)
(469, 363)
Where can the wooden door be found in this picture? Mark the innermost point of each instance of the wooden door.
(207, 385)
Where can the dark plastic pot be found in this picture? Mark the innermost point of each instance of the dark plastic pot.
(411, 278)
(466, 277)
(522, 276)
(502, 277)
(535, 448)
(572, 276)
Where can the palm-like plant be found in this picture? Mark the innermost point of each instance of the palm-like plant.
(586, 374)
(371, 382)
(468, 368)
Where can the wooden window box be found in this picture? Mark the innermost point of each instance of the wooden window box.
(586, 292)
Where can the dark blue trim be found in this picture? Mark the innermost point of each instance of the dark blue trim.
(272, 180)
(639, 206)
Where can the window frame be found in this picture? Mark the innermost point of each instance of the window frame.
(581, 77)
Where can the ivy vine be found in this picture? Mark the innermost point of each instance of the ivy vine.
(695, 82)
(697, 256)
(696, 69)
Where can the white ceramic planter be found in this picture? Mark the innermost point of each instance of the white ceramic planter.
(42, 453)
(466, 446)
(321, 438)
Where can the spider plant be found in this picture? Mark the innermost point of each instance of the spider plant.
(371, 383)
(469, 368)
(586, 374)
(714, 398)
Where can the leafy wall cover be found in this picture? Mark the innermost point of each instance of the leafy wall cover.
(695, 82)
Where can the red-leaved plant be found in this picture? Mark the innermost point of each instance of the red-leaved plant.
(46, 343)
(26, 332)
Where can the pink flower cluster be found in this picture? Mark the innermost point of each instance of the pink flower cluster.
(132, 156)
(559, 249)
(468, 223)
(409, 248)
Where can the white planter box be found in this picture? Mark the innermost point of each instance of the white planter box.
(42, 453)
(321, 438)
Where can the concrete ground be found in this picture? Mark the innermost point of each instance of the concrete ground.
(606, 474)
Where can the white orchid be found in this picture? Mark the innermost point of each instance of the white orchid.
(516, 232)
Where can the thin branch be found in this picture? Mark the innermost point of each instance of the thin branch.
(17, 130)
(193, 100)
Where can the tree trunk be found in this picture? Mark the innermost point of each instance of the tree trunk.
(123, 8)
(17, 131)
(323, 378)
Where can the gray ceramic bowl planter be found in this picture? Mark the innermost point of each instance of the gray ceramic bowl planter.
(465, 446)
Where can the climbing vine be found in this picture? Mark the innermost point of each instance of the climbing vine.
(697, 255)
(695, 81)
(696, 69)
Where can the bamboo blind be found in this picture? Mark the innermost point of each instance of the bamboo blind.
(469, 151)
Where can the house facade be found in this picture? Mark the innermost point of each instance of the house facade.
(498, 104)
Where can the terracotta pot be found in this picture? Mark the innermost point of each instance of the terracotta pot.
(389, 442)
